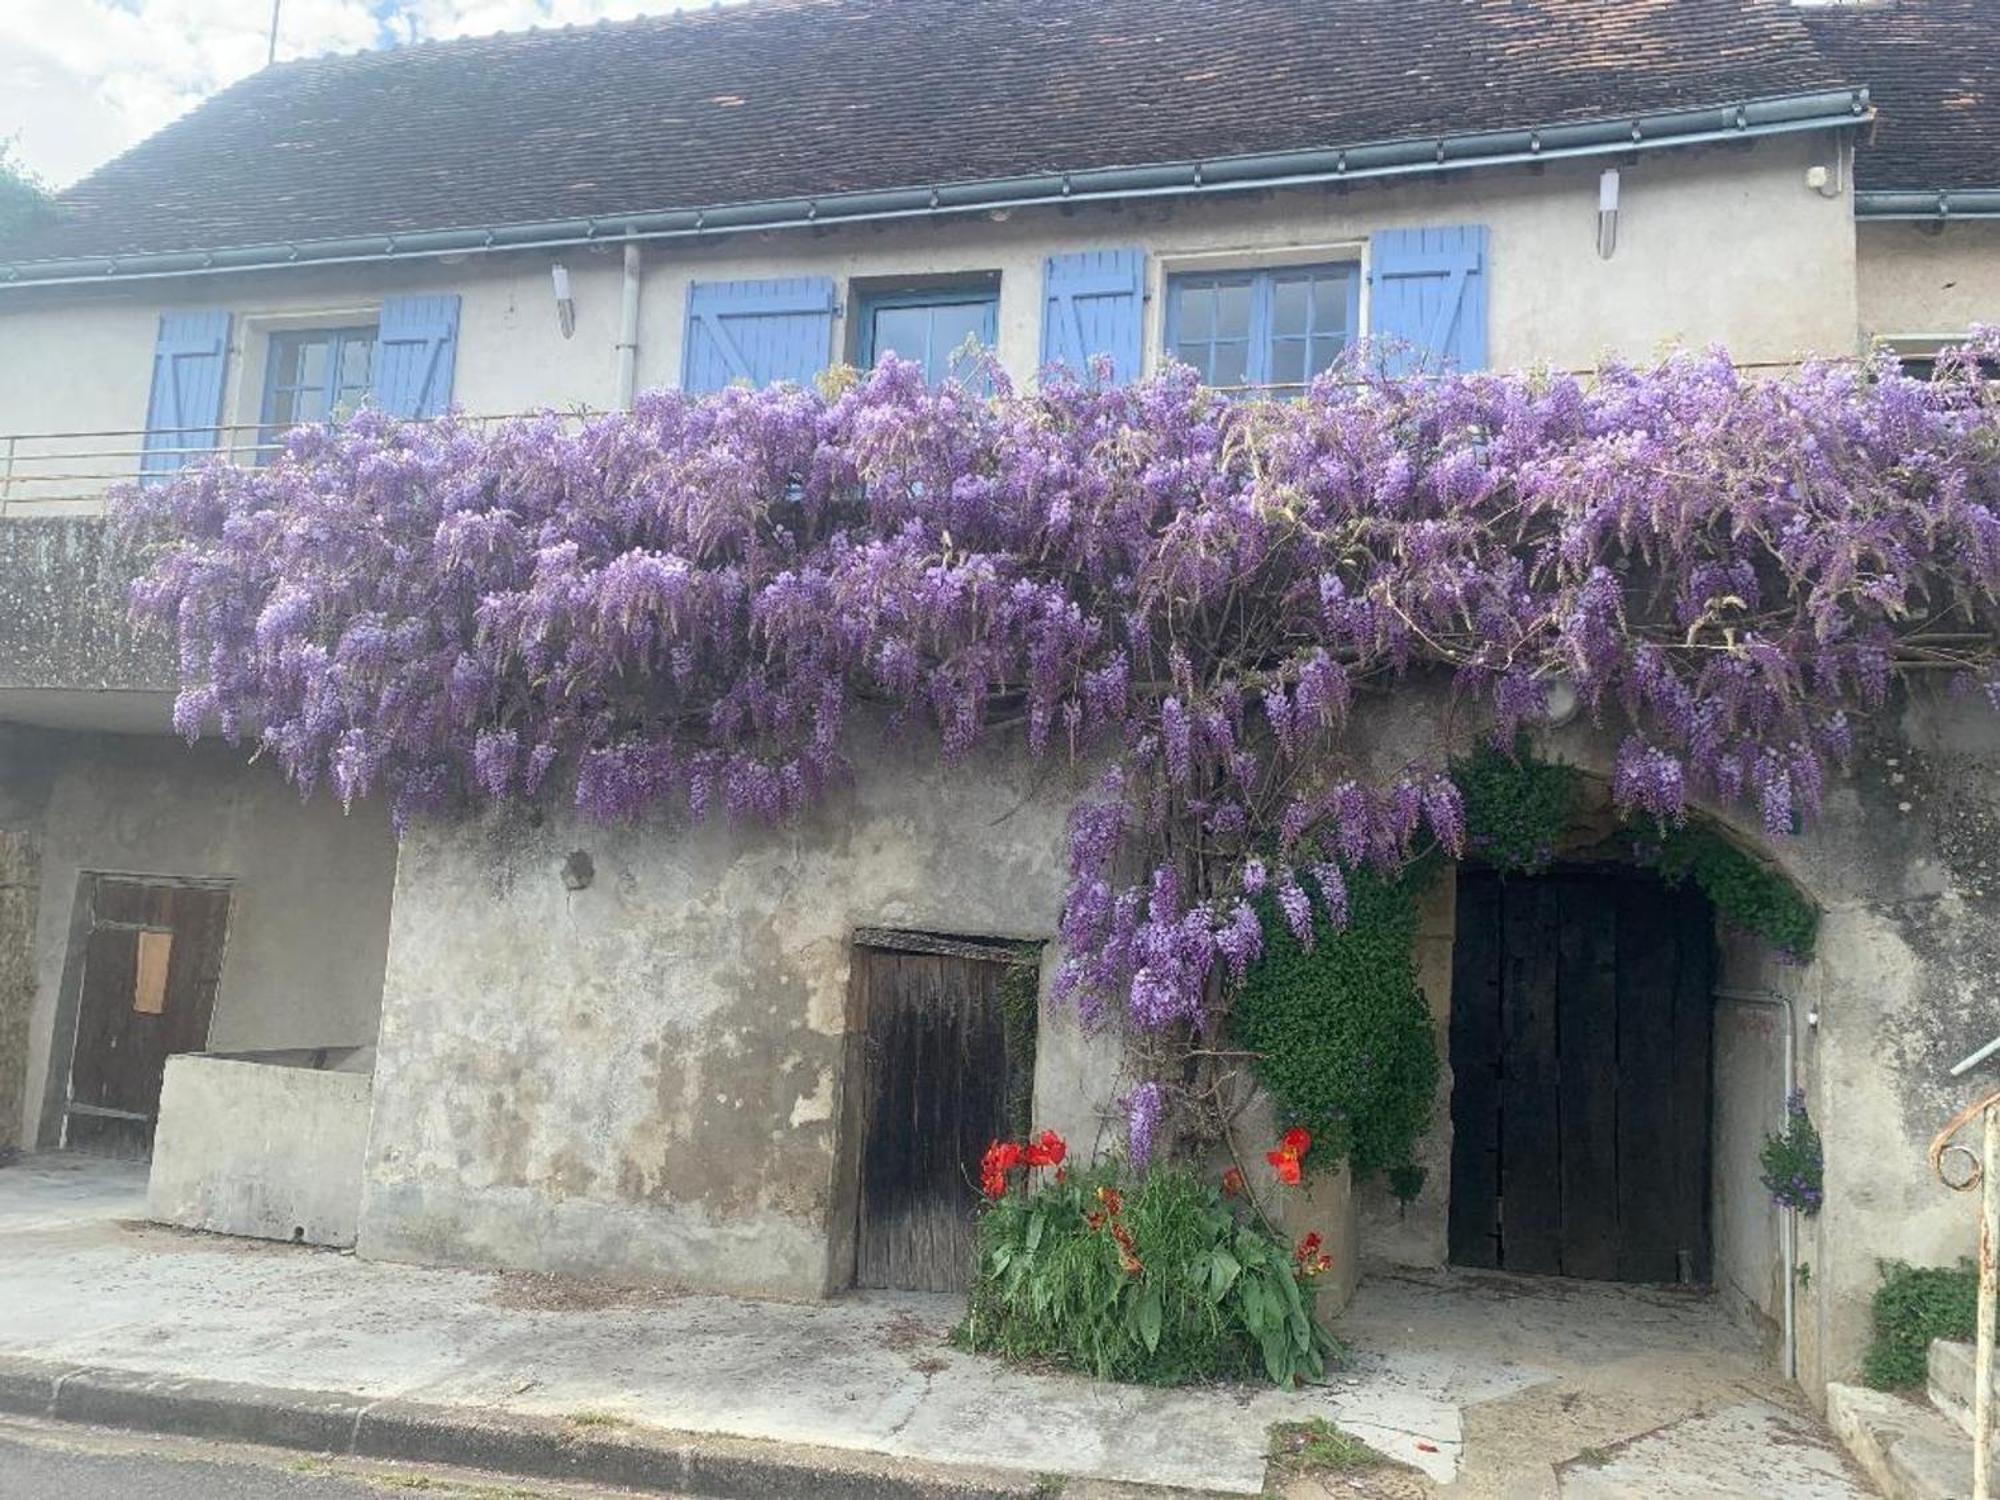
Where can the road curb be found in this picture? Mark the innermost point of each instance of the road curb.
(333, 1422)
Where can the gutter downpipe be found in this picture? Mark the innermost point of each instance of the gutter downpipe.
(1790, 1223)
(628, 328)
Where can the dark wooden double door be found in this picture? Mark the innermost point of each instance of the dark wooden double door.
(150, 961)
(1582, 1006)
(936, 1082)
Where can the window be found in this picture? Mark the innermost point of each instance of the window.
(314, 374)
(1275, 328)
(930, 327)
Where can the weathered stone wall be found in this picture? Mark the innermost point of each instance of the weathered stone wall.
(63, 618)
(640, 1079)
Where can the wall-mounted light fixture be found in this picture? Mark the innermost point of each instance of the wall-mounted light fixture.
(565, 304)
(1607, 212)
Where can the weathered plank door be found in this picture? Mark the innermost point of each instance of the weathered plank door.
(1582, 1005)
(152, 956)
(935, 1090)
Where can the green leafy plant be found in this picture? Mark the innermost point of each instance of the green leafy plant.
(1794, 1163)
(1340, 1033)
(1154, 1280)
(1019, 994)
(1746, 892)
(1516, 806)
(1913, 1305)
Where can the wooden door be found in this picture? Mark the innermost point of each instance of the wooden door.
(151, 959)
(935, 1090)
(1581, 1015)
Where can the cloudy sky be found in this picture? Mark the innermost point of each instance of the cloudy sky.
(80, 80)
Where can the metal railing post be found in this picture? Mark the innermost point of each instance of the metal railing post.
(1989, 1284)
(1984, 1175)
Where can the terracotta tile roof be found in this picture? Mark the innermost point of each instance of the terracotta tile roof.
(1932, 68)
(775, 98)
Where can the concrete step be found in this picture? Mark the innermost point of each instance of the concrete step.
(1910, 1449)
(1951, 1380)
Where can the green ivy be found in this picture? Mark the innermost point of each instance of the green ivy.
(1746, 892)
(1341, 1033)
(1914, 1305)
(1020, 995)
(1516, 806)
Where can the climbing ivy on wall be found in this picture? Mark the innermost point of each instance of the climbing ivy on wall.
(1020, 990)
(1517, 806)
(1746, 892)
(1341, 1032)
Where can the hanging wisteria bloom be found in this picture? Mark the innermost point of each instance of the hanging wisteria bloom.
(677, 611)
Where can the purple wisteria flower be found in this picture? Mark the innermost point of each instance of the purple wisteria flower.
(678, 611)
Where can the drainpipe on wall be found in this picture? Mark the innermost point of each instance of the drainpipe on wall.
(1790, 1223)
(628, 329)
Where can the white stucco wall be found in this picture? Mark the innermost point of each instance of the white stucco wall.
(1714, 245)
(1927, 280)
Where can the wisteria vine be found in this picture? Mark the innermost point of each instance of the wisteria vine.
(680, 607)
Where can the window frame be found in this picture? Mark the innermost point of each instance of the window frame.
(1262, 279)
(868, 303)
(338, 335)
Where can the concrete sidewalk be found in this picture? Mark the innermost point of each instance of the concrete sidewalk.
(1563, 1388)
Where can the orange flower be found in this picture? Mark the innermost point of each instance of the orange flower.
(1309, 1257)
(1297, 1141)
(1128, 1253)
(1232, 1182)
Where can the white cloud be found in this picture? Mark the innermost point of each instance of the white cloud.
(80, 80)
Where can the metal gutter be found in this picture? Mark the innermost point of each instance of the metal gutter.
(1745, 120)
(1934, 205)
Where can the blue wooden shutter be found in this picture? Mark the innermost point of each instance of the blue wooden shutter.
(1428, 298)
(413, 361)
(185, 410)
(757, 331)
(1094, 303)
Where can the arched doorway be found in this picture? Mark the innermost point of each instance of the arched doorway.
(1582, 1013)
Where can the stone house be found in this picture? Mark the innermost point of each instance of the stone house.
(643, 1054)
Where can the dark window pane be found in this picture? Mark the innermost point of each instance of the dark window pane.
(357, 365)
(1289, 306)
(1288, 362)
(952, 325)
(1229, 365)
(1194, 316)
(1232, 312)
(902, 331)
(1330, 304)
(1326, 352)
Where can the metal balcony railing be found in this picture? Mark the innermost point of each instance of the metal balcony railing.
(69, 473)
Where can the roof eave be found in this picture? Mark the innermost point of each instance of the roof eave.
(1613, 135)
(1929, 205)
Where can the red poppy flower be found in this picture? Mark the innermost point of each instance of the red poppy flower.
(1048, 1151)
(1232, 1182)
(1308, 1247)
(1298, 1140)
(1000, 1159)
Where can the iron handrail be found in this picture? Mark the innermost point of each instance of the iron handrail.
(1983, 1173)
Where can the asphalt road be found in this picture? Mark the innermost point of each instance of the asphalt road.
(56, 1461)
